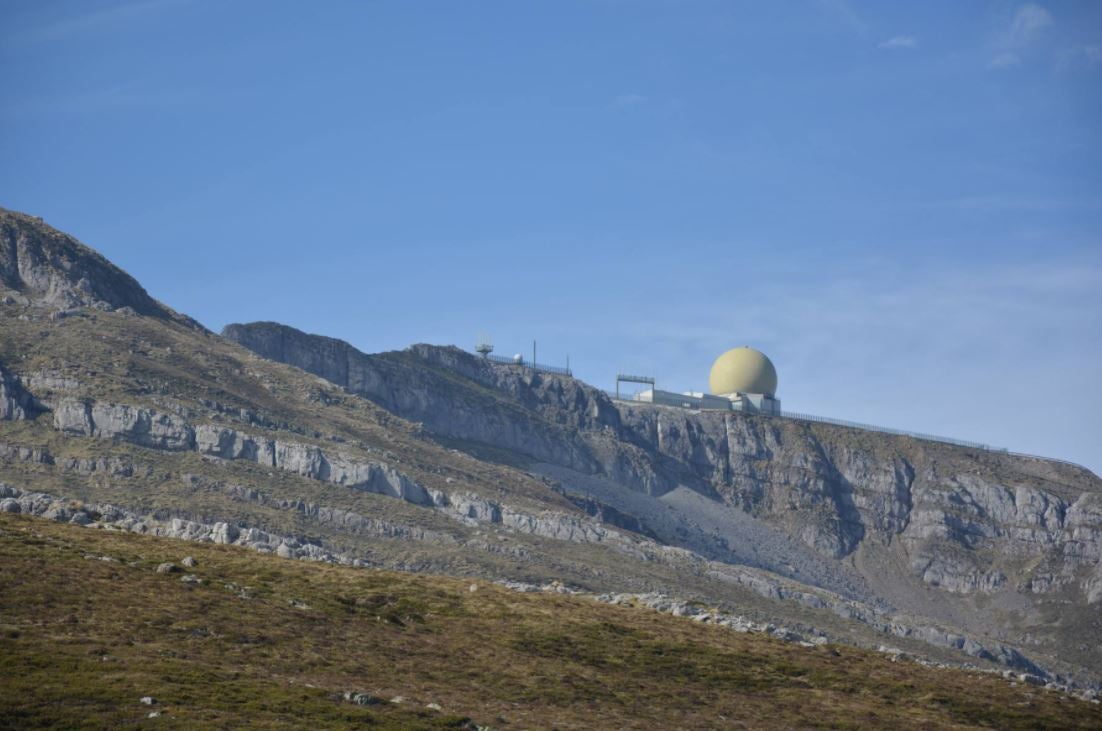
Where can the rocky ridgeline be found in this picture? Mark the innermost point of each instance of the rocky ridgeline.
(832, 488)
(43, 267)
(159, 430)
(962, 522)
(51, 507)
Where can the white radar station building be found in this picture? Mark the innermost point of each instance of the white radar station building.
(742, 379)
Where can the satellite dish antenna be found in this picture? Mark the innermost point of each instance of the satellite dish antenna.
(484, 346)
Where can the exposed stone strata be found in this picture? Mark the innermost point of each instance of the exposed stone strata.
(13, 500)
(16, 403)
(137, 425)
(560, 526)
(113, 466)
(345, 520)
(40, 381)
(51, 269)
(158, 430)
(832, 488)
(20, 453)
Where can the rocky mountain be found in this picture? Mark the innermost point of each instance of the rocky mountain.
(43, 267)
(964, 521)
(117, 412)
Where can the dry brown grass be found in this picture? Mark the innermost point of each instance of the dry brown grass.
(82, 639)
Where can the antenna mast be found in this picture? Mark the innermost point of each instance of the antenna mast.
(484, 346)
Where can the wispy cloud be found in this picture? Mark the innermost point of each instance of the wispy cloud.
(94, 102)
(842, 12)
(97, 20)
(622, 101)
(1028, 22)
(1024, 29)
(899, 43)
(917, 347)
(1023, 203)
(1081, 57)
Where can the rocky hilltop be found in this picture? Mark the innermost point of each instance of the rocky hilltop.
(937, 529)
(115, 412)
(44, 267)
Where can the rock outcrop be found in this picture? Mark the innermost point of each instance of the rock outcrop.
(14, 500)
(44, 267)
(15, 402)
(955, 513)
(141, 426)
(158, 430)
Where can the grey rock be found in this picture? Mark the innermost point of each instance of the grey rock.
(16, 404)
(28, 455)
(39, 381)
(138, 425)
(113, 466)
(54, 270)
(189, 562)
(167, 568)
(823, 485)
(775, 587)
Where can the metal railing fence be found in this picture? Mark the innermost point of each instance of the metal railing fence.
(888, 430)
(506, 360)
(799, 416)
(851, 424)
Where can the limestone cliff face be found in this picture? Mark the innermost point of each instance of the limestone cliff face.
(962, 520)
(44, 267)
(15, 402)
(434, 391)
(158, 430)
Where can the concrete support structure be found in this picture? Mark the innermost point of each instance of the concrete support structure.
(749, 402)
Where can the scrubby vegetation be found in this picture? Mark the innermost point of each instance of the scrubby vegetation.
(88, 627)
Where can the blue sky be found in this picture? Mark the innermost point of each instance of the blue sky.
(901, 203)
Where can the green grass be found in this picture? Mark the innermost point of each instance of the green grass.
(268, 643)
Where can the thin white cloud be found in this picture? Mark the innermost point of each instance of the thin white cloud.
(842, 11)
(1081, 57)
(899, 43)
(937, 351)
(1022, 203)
(1029, 20)
(1023, 31)
(97, 21)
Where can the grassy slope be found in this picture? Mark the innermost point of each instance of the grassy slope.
(171, 367)
(83, 639)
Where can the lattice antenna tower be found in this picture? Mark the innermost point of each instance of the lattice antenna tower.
(485, 346)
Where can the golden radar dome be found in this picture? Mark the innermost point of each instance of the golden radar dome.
(743, 370)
